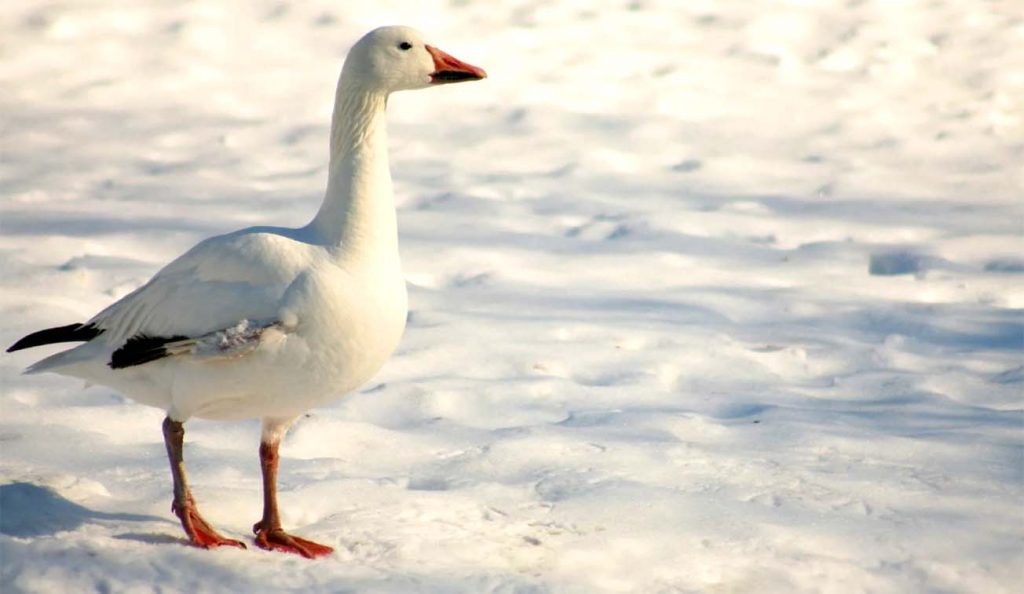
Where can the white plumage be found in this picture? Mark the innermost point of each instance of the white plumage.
(337, 312)
(269, 322)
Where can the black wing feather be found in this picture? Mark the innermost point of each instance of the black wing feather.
(69, 333)
(141, 349)
(136, 350)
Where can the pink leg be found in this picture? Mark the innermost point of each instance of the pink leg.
(269, 534)
(200, 534)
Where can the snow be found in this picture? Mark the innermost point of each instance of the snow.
(707, 296)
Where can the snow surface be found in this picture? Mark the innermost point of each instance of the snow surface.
(707, 296)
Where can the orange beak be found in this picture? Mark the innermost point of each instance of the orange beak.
(448, 69)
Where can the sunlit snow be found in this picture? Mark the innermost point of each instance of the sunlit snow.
(706, 296)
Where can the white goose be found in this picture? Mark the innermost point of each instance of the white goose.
(268, 322)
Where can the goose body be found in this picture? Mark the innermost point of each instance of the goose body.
(268, 322)
(322, 320)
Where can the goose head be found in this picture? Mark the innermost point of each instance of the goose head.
(397, 58)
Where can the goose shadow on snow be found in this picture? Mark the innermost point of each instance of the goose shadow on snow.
(28, 510)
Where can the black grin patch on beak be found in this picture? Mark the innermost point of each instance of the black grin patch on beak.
(452, 76)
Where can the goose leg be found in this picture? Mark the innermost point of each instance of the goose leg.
(199, 533)
(269, 534)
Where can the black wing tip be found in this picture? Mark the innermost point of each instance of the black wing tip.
(141, 349)
(69, 333)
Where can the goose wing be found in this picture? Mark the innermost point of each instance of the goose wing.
(215, 285)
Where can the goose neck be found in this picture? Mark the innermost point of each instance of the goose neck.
(358, 212)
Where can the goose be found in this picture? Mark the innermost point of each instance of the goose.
(269, 322)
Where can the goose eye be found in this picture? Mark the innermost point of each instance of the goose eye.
(405, 45)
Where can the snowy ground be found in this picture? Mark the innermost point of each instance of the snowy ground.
(707, 296)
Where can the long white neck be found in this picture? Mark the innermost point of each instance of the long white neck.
(358, 211)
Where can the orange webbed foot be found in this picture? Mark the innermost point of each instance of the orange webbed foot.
(275, 539)
(200, 533)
